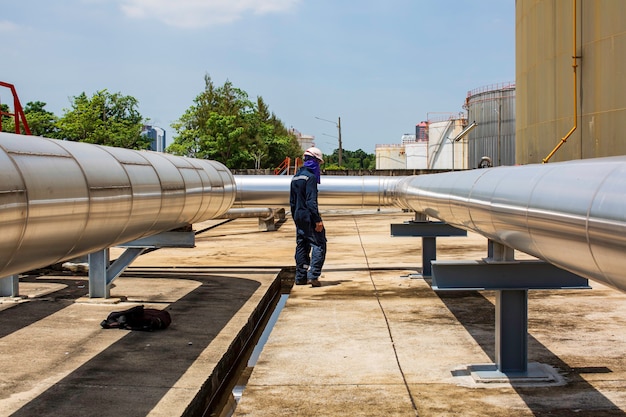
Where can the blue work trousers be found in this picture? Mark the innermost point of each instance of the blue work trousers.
(310, 253)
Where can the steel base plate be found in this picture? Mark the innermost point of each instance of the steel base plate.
(537, 373)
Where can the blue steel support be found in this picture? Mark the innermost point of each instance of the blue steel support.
(126, 258)
(512, 331)
(511, 279)
(429, 254)
(102, 272)
(10, 286)
(428, 231)
(98, 265)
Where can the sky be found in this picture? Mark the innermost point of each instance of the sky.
(382, 66)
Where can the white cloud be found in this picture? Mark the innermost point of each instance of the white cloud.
(201, 13)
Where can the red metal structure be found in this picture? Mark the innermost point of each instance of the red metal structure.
(285, 166)
(18, 112)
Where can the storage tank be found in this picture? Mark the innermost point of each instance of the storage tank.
(443, 152)
(570, 62)
(493, 109)
(416, 155)
(390, 157)
(306, 141)
(439, 147)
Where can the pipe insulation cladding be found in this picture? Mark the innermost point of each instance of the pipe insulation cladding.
(333, 191)
(570, 214)
(61, 199)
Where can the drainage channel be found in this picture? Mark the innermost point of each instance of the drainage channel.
(225, 402)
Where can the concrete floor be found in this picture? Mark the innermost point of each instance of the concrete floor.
(370, 342)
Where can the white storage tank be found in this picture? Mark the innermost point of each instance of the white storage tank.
(443, 152)
(416, 155)
(390, 157)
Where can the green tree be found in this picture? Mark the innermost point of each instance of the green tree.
(356, 160)
(269, 136)
(6, 121)
(225, 125)
(212, 128)
(40, 121)
(104, 119)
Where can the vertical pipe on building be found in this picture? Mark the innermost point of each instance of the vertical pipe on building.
(574, 65)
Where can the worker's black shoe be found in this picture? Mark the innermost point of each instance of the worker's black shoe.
(301, 282)
(315, 283)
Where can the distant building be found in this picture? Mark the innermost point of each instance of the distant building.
(157, 137)
(431, 147)
(305, 141)
(421, 132)
(391, 156)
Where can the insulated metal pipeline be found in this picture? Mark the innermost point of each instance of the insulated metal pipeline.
(243, 213)
(61, 199)
(334, 191)
(570, 214)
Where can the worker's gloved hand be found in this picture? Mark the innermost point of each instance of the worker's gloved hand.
(319, 226)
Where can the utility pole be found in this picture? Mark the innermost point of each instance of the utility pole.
(340, 147)
(338, 124)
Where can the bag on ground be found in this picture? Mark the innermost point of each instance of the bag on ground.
(138, 318)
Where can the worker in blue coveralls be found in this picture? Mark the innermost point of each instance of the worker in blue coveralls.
(310, 233)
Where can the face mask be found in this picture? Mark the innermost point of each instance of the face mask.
(314, 166)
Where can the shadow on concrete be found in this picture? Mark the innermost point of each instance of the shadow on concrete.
(132, 375)
(27, 313)
(326, 283)
(370, 269)
(477, 314)
(188, 272)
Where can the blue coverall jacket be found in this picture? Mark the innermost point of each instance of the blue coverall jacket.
(310, 245)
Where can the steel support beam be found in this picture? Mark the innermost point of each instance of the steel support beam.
(268, 224)
(102, 272)
(98, 266)
(511, 275)
(10, 286)
(511, 279)
(512, 331)
(171, 239)
(429, 231)
(425, 229)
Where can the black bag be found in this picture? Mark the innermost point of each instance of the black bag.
(137, 318)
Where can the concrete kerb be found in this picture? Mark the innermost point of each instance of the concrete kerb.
(29, 385)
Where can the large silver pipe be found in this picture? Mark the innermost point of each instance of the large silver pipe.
(244, 212)
(334, 191)
(60, 199)
(570, 214)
